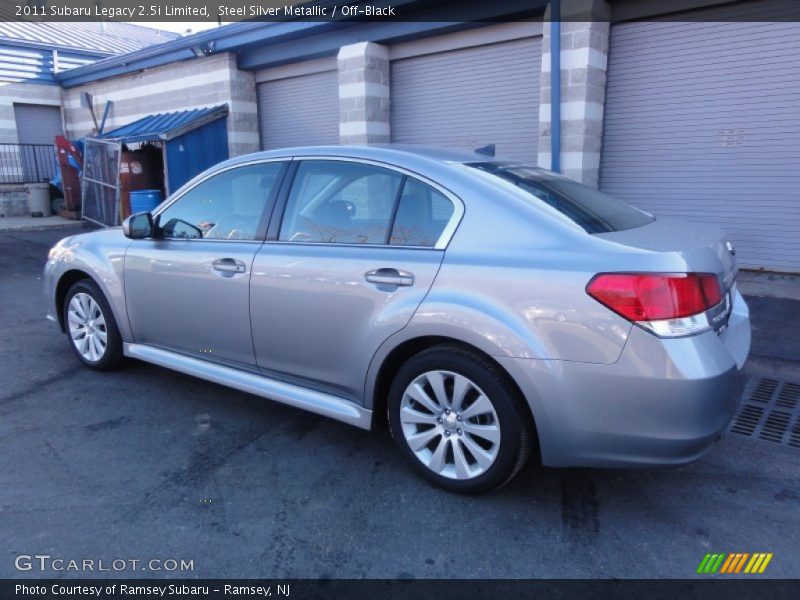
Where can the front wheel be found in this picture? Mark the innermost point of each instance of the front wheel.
(458, 420)
(91, 328)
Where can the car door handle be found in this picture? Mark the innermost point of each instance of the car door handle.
(389, 277)
(229, 265)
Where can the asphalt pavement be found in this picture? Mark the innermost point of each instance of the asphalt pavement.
(144, 463)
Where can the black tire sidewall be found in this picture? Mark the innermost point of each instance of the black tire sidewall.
(113, 354)
(494, 385)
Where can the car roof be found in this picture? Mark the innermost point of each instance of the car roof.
(382, 152)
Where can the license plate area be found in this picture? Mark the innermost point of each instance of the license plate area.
(719, 315)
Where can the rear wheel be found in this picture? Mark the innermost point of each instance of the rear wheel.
(458, 420)
(91, 328)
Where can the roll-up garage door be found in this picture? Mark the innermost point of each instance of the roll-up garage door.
(703, 123)
(471, 97)
(299, 111)
(37, 124)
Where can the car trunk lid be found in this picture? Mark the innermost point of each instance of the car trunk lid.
(704, 248)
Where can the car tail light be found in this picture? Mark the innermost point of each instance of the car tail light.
(669, 305)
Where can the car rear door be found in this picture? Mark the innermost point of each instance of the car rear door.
(188, 290)
(352, 251)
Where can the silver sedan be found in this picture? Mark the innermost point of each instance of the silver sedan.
(486, 310)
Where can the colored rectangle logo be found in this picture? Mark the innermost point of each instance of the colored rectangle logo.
(733, 563)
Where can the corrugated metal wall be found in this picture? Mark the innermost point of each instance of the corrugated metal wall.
(36, 65)
(25, 64)
(702, 122)
(299, 111)
(104, 38)
(471, 97)
(70, 60)
(195, 151)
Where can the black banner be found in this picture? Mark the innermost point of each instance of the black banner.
(228, 11)
(335, 589)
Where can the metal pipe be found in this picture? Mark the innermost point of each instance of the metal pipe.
(555, 85)
(105, 116)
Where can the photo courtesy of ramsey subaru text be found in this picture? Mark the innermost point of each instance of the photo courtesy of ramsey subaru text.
(488, 311)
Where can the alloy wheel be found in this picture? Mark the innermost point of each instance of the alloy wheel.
(450, 425)
(87, 327)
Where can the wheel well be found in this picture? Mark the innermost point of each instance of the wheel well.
(67, 280)
(405, 351)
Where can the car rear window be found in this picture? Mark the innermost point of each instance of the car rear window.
(590, 209)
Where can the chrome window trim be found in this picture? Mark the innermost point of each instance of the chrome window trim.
(189, 186)
(349, 245)
(444, 237)
(212, 240)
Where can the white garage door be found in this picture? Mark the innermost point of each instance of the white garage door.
(703, 123)
(471, 97)
(299, 111)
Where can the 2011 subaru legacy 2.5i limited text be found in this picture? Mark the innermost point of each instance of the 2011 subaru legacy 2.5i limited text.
(488, 310)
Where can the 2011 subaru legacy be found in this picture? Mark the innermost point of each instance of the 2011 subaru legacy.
(487, 310)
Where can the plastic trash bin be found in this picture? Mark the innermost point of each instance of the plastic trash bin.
(39, 199)
(145, 200)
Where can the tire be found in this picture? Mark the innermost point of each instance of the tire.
(477, 460)
(57, 204)
(85, 298)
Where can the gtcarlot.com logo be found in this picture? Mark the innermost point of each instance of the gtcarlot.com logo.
(48, 563)
(734, 562)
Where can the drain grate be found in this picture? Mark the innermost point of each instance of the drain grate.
(789, 396)
(770, 411)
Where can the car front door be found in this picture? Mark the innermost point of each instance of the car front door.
(188, 288)
(355, 252)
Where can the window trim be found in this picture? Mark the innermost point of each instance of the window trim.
(279, 209)
(263, 221)
(395, 209)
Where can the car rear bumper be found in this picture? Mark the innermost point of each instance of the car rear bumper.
(664, 402)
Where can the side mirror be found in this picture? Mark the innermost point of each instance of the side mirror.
(138, 226)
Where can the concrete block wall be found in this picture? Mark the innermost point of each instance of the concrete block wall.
(364, 94)
(14, 201)
(243, 136)
(197, 83)
(584, 61)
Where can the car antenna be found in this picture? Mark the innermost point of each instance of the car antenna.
(488, 150)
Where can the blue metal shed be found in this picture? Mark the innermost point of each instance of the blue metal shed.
(193, 140)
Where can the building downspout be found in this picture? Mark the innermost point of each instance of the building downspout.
(555, 85)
